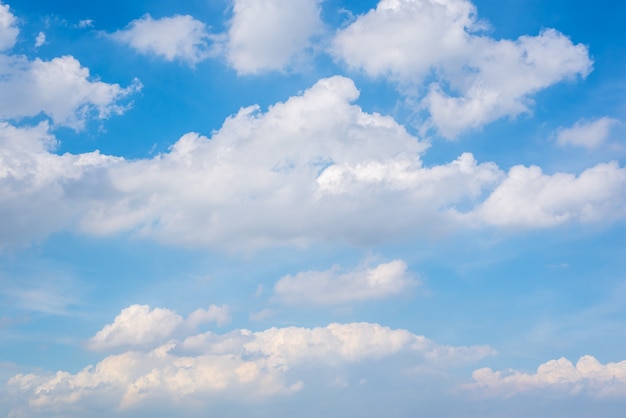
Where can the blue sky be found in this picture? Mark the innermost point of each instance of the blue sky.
(306, 207)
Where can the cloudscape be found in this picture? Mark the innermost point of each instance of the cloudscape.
(279, 208)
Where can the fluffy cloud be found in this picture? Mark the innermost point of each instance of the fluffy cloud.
(268, 34)
(41, 191)
(138, 325)
(8, 28)
(586, 133)
(478, 79)
(528, 198)
(61, 88)
(294, 174)
(208, 366)
(588, 377)
(336, 286)
(313, 168)
(173, 38)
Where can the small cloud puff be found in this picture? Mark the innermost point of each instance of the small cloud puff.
(588, 377)
(40, 40)
(588, 134)
(269, 34)
(336, 286)
(173, 38)
(138, 325)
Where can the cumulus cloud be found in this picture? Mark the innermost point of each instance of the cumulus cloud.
(60, 88)
(268, 34)
(313, 168)
(206, 366)
(588, 377)
(293, 174)
(528, 198)
(138, 325)
(586, 133)
(336, 286)
(477, 79)
(173, 38)
(8, 28)
(42, 192)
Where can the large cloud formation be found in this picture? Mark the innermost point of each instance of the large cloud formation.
(313, 168)
(476, 79)
(203, 367)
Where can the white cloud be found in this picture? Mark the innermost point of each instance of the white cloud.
(528, 198)
(336, 286)
(477, 79)
(268, 34)
(240, 363)
(138, 325)
(218, 314)
(173, 38)
(313, 168)
(586, 133)
(60, 88)
(40, 40)
(8, 28)
(589, 377)
(43, 192)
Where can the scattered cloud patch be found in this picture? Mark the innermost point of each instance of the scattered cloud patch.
(205, 366)
(477, 79)
(267, 35)
(180, 37)
(85, 23)
(60, 88)
(588, 134)
(588, 377)
(336, 286)
(138, 325)
(528, 198)
(40, 40)
(218, 314)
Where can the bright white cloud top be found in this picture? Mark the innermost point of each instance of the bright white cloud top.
(478, 79)
(173, 38)
(8, 28)
(265, 35)
(263, 207)
(335, 286)
(587, 133)
(239, 363)
(588, 377)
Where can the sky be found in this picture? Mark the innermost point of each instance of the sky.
(278, 208)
